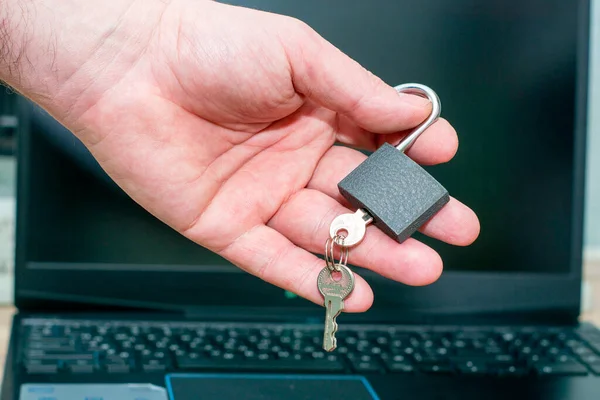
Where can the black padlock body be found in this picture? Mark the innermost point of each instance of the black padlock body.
(398, 193)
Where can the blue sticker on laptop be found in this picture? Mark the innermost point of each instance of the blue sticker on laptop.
(73, 391)
(268, 386)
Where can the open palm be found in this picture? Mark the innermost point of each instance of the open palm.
(221, 121)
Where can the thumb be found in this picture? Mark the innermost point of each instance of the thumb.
(324, 74)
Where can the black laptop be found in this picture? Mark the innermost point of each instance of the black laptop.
(113, 304)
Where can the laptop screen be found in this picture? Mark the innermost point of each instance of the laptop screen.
(511, 78)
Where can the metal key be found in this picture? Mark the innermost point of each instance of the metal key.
(334, 291)
(352, 227)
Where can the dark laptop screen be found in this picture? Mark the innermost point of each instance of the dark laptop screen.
(509, 74)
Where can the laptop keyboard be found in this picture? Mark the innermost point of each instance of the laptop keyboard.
(88, 347)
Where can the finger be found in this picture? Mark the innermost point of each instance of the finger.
(324, 74)
(438, 144)
(455, 223)
(267, 254)
(305, 220)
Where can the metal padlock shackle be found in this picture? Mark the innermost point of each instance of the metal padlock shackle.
(436, 109)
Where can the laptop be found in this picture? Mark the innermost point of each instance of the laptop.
(113, 304)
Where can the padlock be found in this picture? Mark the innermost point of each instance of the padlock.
(396, 192)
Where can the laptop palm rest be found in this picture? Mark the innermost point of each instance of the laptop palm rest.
(272, 387)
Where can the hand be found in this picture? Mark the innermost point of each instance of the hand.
(221, 122)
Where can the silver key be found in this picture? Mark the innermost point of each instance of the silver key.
(334, 293)
(355, 226)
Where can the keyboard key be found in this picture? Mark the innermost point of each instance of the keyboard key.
(595, 367)
(439, 368)
(472, 335)
(582, 351)
(79, 366)
(118, 368)
(63, 348)
(429, 358)
(595, 345)
(503, 358)
(471, 360)
(81, 369)
(591, 359)
(365, 366)
(154, 366)
(41, 368)
(472, 368)
(509, 370)
(469, 352)
(399, 366)
(563, 358)
(399, 358)
(60, 356)
(561, 369)
(308, 365)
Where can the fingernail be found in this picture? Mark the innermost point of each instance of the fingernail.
(414, 100)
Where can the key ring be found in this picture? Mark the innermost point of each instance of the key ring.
(329, 253)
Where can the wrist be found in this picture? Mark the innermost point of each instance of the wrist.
(12, 40)
(63, 54)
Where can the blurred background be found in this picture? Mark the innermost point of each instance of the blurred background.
(591, 284)
(592, 232)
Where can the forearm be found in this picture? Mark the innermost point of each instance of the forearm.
(61, 53)
(14, 18)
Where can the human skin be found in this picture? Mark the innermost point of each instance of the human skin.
(221, 121)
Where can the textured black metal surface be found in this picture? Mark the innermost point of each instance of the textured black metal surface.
(399, 194)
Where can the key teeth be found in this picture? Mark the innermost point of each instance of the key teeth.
(332, 339)
(333, 346)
